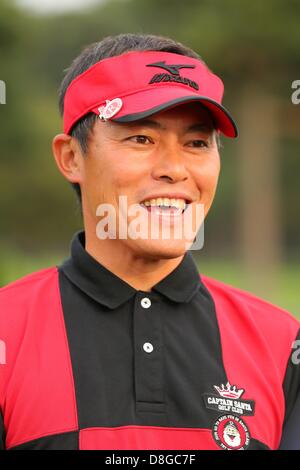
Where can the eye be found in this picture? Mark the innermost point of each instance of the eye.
(140, 139)
(198, 143)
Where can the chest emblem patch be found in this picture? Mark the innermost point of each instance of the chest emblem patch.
(229, 430)
(228, 399)
(231, 433)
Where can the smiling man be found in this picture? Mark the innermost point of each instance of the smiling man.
(167, 165)
(124, 345)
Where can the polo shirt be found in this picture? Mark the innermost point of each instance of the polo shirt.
(92, 363)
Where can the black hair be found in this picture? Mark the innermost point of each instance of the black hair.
(109, 47)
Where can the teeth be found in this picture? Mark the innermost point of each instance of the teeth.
(166, 202)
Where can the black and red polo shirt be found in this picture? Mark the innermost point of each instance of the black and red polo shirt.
(92, 363)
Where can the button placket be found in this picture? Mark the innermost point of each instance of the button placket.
(148, 360)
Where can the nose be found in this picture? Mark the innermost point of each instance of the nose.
(169, 163)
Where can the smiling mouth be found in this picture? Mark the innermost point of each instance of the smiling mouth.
(166, 206)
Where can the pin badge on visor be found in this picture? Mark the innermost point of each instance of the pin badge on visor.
(138, 84)
(110, 109)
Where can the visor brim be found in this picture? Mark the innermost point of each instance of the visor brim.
(135, 107)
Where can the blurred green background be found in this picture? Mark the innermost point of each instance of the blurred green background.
(252, 231)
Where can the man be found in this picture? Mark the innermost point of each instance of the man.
(124, 345)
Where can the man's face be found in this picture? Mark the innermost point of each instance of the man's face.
(170, 154)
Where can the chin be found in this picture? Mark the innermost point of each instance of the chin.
(161, 249)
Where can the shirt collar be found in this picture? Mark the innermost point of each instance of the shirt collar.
(110, 290)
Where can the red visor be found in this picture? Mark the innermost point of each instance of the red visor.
(135, 85)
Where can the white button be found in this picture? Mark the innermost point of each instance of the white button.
(148, 348)
(145, 302)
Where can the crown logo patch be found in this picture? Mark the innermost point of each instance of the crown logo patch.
(229, 391)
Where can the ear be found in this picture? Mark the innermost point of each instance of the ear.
(68, 157)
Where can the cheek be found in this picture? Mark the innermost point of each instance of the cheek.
(107, 176)
(206, 177)
(97, 185)
(124, 175)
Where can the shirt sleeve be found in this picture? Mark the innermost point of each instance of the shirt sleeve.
(291, 427)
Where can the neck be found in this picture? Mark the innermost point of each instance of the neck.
(140, 271)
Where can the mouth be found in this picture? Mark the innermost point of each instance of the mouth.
(166, 206)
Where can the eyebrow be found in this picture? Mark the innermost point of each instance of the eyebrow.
(197, 127)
